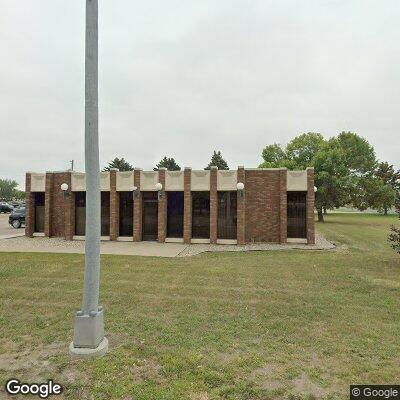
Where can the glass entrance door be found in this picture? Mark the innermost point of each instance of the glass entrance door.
(126, 214)
(105, 213)
(80, 213)
(201, 215)
(227, 215)
(150, 215)
(296, 215)
(39, 212)
(175, 215)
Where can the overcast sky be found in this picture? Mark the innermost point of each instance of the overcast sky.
(181, 78)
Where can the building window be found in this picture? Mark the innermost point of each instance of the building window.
(297, 215)
(80, 213)
(105, 213)
(150, 216)
(201, 215)
(175, 214)
(39, 211)
(126, 214)
(227, 215)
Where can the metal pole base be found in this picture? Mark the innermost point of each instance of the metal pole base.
(88, 329)
(86, 352)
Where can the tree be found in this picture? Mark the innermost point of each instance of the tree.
(8, 189)
(273, 155)
(168, 163)
(119, 163)
(391, 180)
(217, 161)
(394, 237)
(371, 191)
(359, 154)
(341, 166)
(332, 177)
(303, 149)
(389, 176)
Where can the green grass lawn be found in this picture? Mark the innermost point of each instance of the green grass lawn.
(261, 325)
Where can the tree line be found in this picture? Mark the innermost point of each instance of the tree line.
(167, 162)
(347, 172)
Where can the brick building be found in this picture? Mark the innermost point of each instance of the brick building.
(190, 206)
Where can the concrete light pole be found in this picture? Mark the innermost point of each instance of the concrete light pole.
(89, 337)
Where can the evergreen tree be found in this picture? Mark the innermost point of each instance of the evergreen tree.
(119, 163)
(217, 161)
(168, 163)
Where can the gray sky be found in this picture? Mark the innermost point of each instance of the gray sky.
(181, 78)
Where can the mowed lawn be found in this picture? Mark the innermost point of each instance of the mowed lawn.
(260, 325)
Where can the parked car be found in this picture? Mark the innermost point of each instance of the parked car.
(17, 218)
(6, 208)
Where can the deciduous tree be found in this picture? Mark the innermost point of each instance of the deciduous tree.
(394, 237)
(8, 189)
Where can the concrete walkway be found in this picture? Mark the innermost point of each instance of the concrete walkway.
(58, 245)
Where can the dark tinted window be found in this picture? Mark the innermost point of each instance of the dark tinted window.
(201, 215)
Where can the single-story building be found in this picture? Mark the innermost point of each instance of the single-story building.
(191, 206)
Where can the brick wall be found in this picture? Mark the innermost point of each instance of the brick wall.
(29, 207)
(61, 219)
(310, 206)
(137, 210)
(283, 205)
(114, 205)
(241, 208)
(162, 208)
(262, 206)
(187, 213)
(48, 204)
(213, 204)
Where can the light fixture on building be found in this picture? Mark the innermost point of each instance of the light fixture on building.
(315, 189)
(240, 188)
(135, 193)
(64, 188)
(159, 188)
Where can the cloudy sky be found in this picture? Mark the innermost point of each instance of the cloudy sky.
(181, 78)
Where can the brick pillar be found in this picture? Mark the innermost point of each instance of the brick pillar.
(29, 207)
(114, 205)
(283, 205)
(162, 208)
(310, 206)
(48, 206)
(213, 204)
(187, 211)
(241, 208)
(137, 210)
(69, 209)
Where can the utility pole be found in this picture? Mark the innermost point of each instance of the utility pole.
(72, 165)
(89, 337)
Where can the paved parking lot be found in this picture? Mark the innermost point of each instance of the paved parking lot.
(6, 229)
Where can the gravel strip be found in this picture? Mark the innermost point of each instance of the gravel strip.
(320, 244)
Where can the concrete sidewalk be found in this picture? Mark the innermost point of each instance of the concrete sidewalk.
(58, 245)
